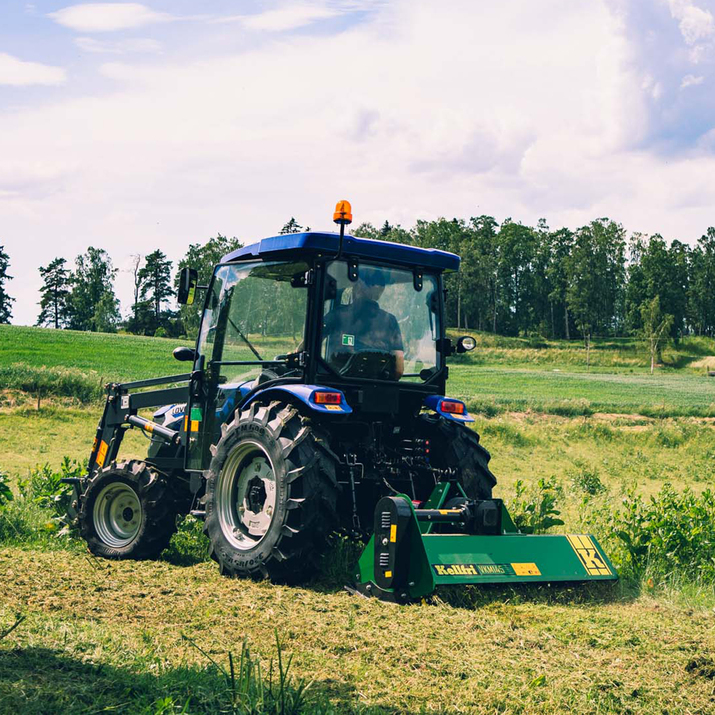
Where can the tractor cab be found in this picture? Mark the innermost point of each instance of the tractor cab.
(358, 322)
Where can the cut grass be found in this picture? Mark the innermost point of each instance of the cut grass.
(515, 651)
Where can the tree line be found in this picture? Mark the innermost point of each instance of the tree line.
(524, 280)
(514, 280)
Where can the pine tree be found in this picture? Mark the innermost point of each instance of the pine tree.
(293, 227)
(54, 303)
(155, 282)
(5, 300)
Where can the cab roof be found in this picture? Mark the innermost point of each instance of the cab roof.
(295, 245)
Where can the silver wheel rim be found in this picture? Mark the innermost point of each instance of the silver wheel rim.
(117, 515)
(246, 496)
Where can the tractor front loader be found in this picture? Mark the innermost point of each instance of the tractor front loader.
(316, 404)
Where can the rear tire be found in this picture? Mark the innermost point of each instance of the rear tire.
(457, 446)
(271, 495)
(127, 512)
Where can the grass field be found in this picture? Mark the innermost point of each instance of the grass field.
(101, 635)
(502, 374)
(155, 637)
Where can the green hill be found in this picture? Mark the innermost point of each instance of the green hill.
(502, 374)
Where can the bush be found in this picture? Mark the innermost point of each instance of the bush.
(586, 479)
(46, 488)
(37, 513)
(5, 491)
(533, 511)
(669, 536)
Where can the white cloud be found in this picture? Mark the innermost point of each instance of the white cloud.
(119, 47)
(691, 81)
(695, 23)
(289, 17)
(18, 73)
(107, 17)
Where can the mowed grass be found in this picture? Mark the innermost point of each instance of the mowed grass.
(101, 635)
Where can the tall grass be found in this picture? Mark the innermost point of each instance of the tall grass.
(40, 381)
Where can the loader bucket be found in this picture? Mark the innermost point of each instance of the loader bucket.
(401, 563)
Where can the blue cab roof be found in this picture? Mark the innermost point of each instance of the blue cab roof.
(293, 244)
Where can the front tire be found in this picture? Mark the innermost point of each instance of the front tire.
(271, 494)
(127, 512)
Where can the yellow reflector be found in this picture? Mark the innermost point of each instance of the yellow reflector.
(102, 454)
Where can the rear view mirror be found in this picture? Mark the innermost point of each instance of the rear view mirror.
(466, 343)
(188, 281)
(184, 354)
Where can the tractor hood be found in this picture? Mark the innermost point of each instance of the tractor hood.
(298, 244)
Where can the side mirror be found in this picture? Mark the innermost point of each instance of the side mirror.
(188, 281)
(184, 354)
(466, 343)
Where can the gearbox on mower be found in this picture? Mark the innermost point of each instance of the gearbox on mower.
(315, 404)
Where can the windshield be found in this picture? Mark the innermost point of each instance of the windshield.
(254, 313)
(380, 326)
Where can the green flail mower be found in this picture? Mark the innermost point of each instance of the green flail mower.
(414, 550)
(316, 405)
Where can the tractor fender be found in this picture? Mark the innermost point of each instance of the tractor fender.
(436, 403)
(306, 395)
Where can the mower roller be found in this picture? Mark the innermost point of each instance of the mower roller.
(316, 405)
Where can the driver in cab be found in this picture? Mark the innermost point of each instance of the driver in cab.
(363, 327)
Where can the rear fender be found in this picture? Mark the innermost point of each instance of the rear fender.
(304, 394)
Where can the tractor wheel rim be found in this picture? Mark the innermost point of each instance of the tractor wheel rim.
(246, 496)
(117, 515)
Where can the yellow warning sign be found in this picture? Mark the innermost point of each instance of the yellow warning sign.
(102, 454)
(393, 533)
(588, 555)
(526, 570)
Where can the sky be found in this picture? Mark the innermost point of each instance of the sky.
(136, 126)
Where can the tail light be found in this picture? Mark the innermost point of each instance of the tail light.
(327, 398)
(452, 407)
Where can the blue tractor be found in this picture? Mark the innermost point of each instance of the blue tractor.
(316, 392)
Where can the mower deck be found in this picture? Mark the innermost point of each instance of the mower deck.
(400, 563)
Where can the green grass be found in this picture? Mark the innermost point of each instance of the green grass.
(105, 356)
(497, 389)
(606, 353)
(101, 636)
(502, 374)
(109, 635)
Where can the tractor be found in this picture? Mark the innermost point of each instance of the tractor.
(315, 404)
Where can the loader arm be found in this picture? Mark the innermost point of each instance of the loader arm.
(120, 414)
